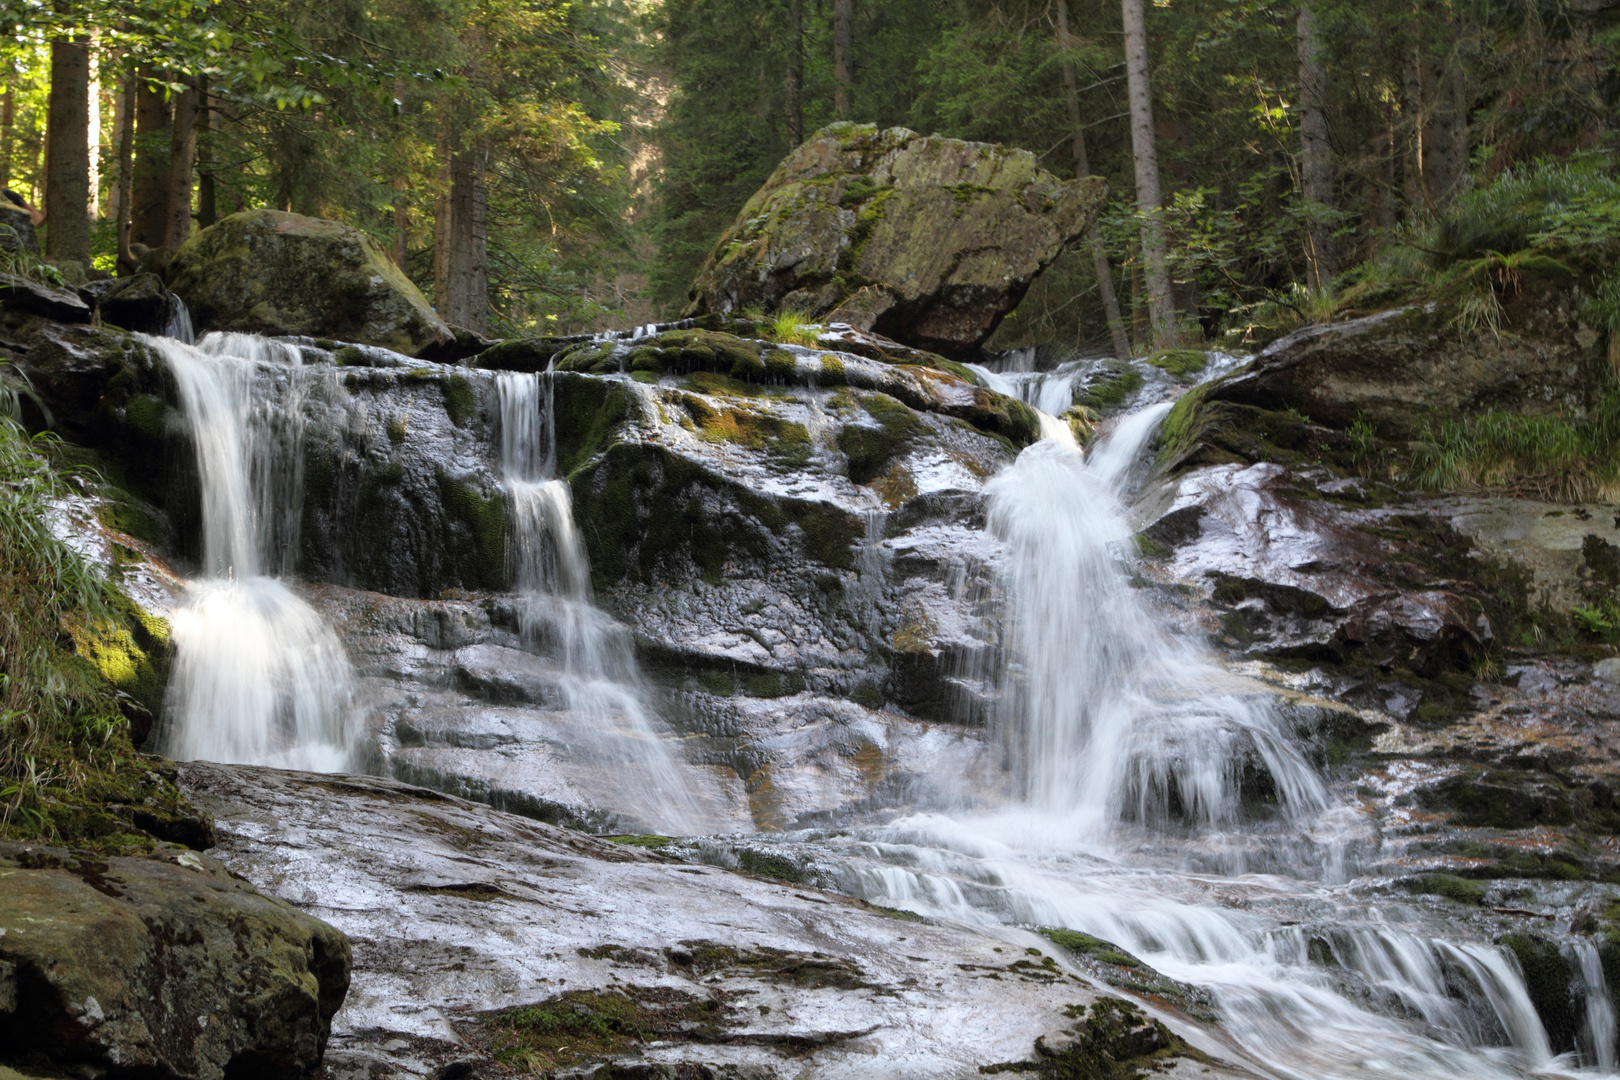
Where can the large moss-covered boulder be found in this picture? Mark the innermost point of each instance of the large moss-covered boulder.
(269, 272)
(930, 241)
(163, 968)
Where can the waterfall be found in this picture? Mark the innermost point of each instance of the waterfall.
(1109, 714)
(1138, 760)
(259, 678)
(600, 679)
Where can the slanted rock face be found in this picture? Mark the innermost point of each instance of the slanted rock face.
(163, 967)
(928, 240)
(1402, 370)
(269, 272)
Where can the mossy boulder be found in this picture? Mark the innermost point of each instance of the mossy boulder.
(169, 967)
(939, 238)
(270, 272)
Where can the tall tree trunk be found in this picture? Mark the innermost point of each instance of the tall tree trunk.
(1412, 128)
(843, 60)
(469, 254)
(182, 159)
(92, 206)
(1082, 167)
(67, 149)
(794, 90)
(402, 222)
(149, 202)
(126, 167)
(115, 192)
(207, 183)
(443, 211)
(1316, 153)
(8, 120)
(1145, 156)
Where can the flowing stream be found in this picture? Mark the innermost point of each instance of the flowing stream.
(1161, 801)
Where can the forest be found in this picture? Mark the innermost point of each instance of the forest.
(560, 165)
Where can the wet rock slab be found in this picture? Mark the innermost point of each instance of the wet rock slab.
(456, 910)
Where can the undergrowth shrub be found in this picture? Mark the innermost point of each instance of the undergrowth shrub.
(1550, 219)
(68, 772)
(1542, 456)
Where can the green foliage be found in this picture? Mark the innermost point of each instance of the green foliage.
(793, 328)
(1546, 456)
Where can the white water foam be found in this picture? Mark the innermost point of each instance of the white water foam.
(259, 677)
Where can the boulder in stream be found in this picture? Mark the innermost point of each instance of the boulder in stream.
(270, 272)
(931, 241)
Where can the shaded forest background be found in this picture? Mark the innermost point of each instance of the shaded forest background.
(584, 155)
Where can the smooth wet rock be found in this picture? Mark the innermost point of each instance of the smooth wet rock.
(29, 297)
(460, 913)
(164, 967)
(1608, 670)
(928, 240)
(270, 272)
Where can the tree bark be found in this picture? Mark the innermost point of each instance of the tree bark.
(1145, 157)
(126, 152)
(182, 160)
(402, 221)
(442, 213)
(67, 176)
(149, 201)
(92, 206)
(1316, 153)
(843, 61)
(115, 194)
(1082, 167)
(794, 90)
(469, 251)
(8, 120)
(207, 184)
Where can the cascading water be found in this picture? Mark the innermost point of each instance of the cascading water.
(1146, 772)
(599, 677)
(259, 677)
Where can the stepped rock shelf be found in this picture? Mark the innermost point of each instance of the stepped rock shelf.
(919, 696)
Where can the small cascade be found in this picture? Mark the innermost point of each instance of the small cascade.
(179, 325)
(600, 678)
(259, 677)
(1598, 1022)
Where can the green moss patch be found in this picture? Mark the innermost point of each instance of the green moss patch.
(1457, 889)
(871, 449)
(484, 518)
(1182, 364)
(1114, 1040)
(591, 1025)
